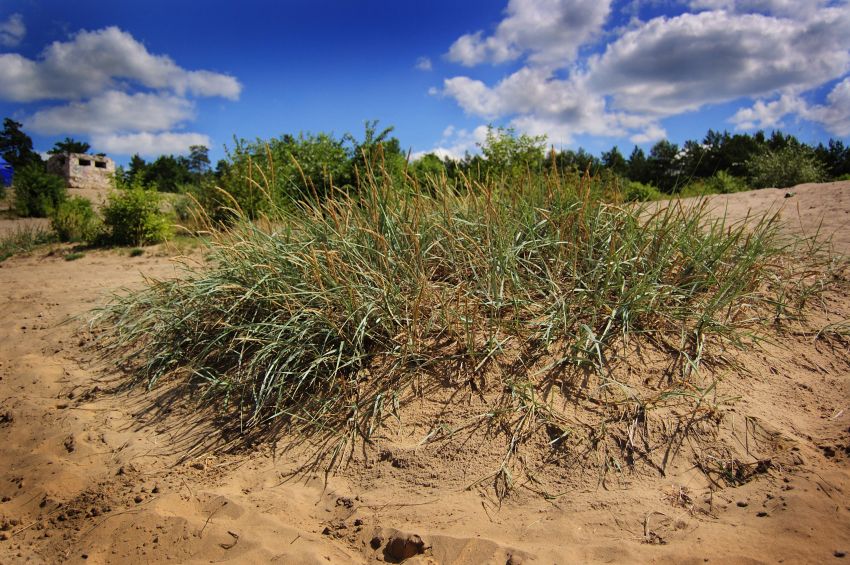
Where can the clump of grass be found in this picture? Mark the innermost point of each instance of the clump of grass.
(24, 240)
(321, 316)
(137, 252)
(74, 256)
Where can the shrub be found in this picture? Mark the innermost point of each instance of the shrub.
(74, 220)
(788, 166)
(724, 183)
(37, 192)
(640, 192)
(133, 217)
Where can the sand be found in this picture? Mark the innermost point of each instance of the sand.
(94, 471)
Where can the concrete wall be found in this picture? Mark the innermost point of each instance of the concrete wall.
(83, 171)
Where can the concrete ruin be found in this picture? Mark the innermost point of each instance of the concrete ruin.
(83, 171)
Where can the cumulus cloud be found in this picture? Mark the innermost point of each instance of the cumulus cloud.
(551, 31)
(114, 111)
(679, 64)
(149, 144)
(835, 114)
(763, 115)
(769, 51)
(12, 31)
(106, 84)
(94, 61)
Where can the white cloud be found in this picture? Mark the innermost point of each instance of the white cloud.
(552, 31)
(653, 132)
(770, 51)
(796, 8)
(835, 114)
(680, 64)
(95, 61)
(114, 111)
(12, 31)
(149, 144)
(763, 115)
(424, 64)
(455, 143)
(107, 85)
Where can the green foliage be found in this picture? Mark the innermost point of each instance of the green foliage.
(74, 220)
(132, 216)
(69, 145)
(37, 192)
(724, 183)
(787, 166)
(640, 192)
(74, 256)
(511, 156)
(16, 146)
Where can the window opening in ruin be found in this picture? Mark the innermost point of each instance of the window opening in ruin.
(100, 164)
(85, 163)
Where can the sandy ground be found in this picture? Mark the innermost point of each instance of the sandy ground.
(93, 472)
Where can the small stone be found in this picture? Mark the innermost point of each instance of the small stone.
(404, 547)
(839, 554)
(742, 503)
(761, 514)
(376, 542)
(198, 465)
(138, 498)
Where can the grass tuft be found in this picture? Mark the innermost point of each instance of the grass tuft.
(324, 318)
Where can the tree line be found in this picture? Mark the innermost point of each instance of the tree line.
(292, 167)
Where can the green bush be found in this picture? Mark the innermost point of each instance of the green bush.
(724, 183)
(639, 192)
(74, 220)
(37, 192)
(133, 217)
(788, 166)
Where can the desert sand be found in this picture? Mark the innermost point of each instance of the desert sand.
(94, 471)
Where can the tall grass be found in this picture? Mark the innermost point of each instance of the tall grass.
(320, 317)
(23, 240)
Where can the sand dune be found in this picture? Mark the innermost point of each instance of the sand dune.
(93, 471)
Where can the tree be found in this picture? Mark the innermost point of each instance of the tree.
(199, 159)
(168, 173)
(69, 145)
(16, 146)
(137, 169)
(638, 170)
(664, 169)
(615, 161)
(510, 154)
(835, 157)
(37, 192)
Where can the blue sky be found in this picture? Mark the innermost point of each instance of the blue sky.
(158, 77)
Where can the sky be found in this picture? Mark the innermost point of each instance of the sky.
(155, 77)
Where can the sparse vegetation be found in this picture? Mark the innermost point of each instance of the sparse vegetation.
(24, 240)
